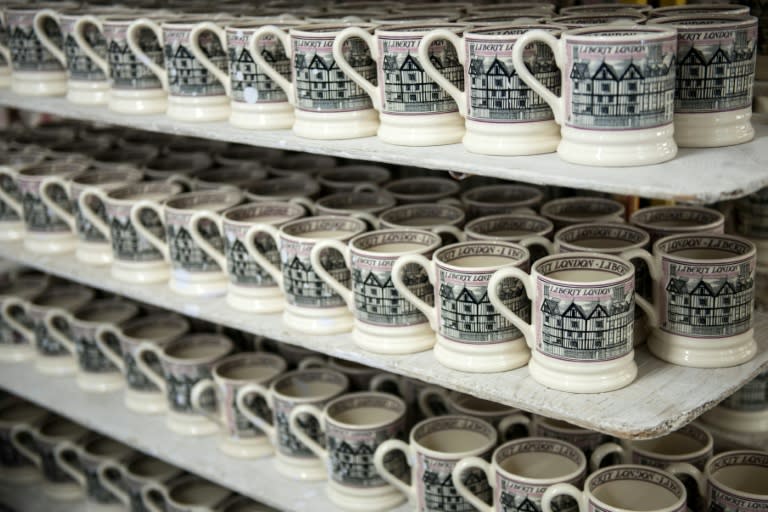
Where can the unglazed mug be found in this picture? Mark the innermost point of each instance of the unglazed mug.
(413, 110)
(142, 395)
(354, 426)
(703, 298)
(385, 322)
(581, 328)
(577, 210)
(617, 104)
(744, 411)
(424, 189)
(435, 446)
(14, 345)
(193, 271)
(96, 372)
(250, 287)
(498, 199)
(11, 209)
(520, 472)
(661, 221)
(184, 362)
(443, 219)
(239, 438)
(188, 494)
(311, 305)
(17, 467)
(503, 116)
(327, 103)
(125, 480)
(316, 387)
(472, 336)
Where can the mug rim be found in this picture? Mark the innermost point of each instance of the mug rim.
(615, 279)
(646, 237)
(436, 242)
(569, 428)
(255, 25)
(124, 175)
(642, 32)
(80, 431)
(306, 240)
(488, 445)
(559, 216)
(750, 254)
(221, 341)
(309, 399)
(79, 292)
(116, 455)
(536, 197)
(144, 187)
(314, 29)
(471, 225)
(492, 268)
(37, 283)
(36, 414)
(714, 8)
(581, 467)
(249, 359)
(710, 476)
(458, 220)
(724, 21)
(436, 180)
(636, 218)
(588, 7)
(453, 401)
(705, 449)
(478, 33)
(677, 505)
(124, 307)
(402, 409)
(226, 214)
(43, 170)
(402, 29)
(228, 194)
(171, 469)
(321, 204)
(310, 187)
(375, 173)
(157, 318)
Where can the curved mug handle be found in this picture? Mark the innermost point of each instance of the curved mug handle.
(205, 245)
(47, 199)
(374, 91)
(541, 241)
(432, 392)
(654, 269)
(250, 245)
(530, 290)
(149, 502)
(16, 432)
(563, 489)
(39, 30)
(457, 475)
(102, 473)
(59, 452)
(90, 215)
(513, 420)
(131, 37)
(296, 430)
(687, 469)
(449, 230)
(7, 312)
(200, 55)
(603, 451)
(159, 244)
(196, 397)
(314, 258)
(384, 448)
(308, 204)
(143, 349)
(5, 196)
(458, 42)
(397, 279)
(78, 34)
(255, 388)
(105, 348)
(265, 66)
(50, 317)
(556, 103)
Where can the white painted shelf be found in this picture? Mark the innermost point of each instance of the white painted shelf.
(665, 397)
(695, 176)
(28, 498)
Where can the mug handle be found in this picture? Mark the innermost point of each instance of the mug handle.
(397, 279)
(374, 91)
(102, 473)
(205, 245)
(295, 428)
(449, 230)
(314, 258)
(426, 42)
(59, 453)
(541, 241)
(89, 214)
(380, 379)
(514, 420)
(654, 269)
(603, 451)
(368, 218)
(431, 392)
(159, 244)
(105, 348)
(530, 291)
(687, 469)
(131, 37)
(16, 432)
(256, 389)
(312, 362)
(556, 103)
(45, 197)
(457, 475)
(144, 348)
(39, 30)
(9, 305)
(146, 496)
(264, 263)
(5, 196)
(308, 205)
(196, 396)
(85, 46)
(384, 448)
(56, 333)
(200, 55)
(266, 67)
(562, 489)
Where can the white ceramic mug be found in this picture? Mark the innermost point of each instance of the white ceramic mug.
(11, 209)
(661, 221)
(353, 178)
(125, 480)
(541, 426)
(530, 231)
(17, 467)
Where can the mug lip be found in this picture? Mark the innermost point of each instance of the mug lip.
(713, 8)
(45, 170)
(478, 270)
(677, 505)
(104, 177)
(459, 218)
(142, 188)
(154, 319)
(192, 479)
(122, 449)
(125, 308)
(471, 225)
(222, 342)
(309, 187)
(128, 18)
(569, 428)
(544, 211)
(637, 219)
(642, 32)
(488, 445)
(480, 32)
(337, 218)
(449, 186)
(194, 19)
(454, 401)
(367, 173)
(227, 214)
(536, 195)
(579, 9)
(710, 475)
(489, 19)
(581, 469)
(615, 279)
(704, 450)
(229, 195)
(402, 409)
(724, 21)
(436, 242)
(328, 29)
(369, 206)
(645, 242)
(418, 30)
(389, 19)
(79, 293)
(314, 398)
(32, 283)
(750, 254)
(272, 361)
(233, 175)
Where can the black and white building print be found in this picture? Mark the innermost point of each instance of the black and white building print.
(179, 382)
(715, 74)
(708, 306)
(38, 217)
(440, 495)
(186, 254)
(287, 443)
(134, 378)
(79, 65)
(378, 302)
(45, 344)
(303, 287)
(587, 328)
(186, 75)
(125, 70)
(521, 502)
(89, 355)
(27, 53)
(96, 491)
(8, 214)
(635, 91)
(242, 268)
(49, 467)
(249, 83)
(127, 244)
(752, 397)
(85, 229)
(10, 457)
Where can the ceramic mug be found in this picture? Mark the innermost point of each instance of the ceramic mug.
(239, 437)
(314, 387)
(503, 116)
(435, 446)
(520, 472)
(17, 467)
(14, 345)
(541, 426)
(703, 297)
(327, 103)
(124, 156)
(744, 411)
(354, 426)
(581, 329)
(193, 271)
(530, 231)
(311, 305)
(188, 494)
(360, 376)
(125, 480)
(250, 287)
(472, 336)
(600, 65)
(413, 110)
(568, 211)
(424, 189)
(11, 209)
(385, 322)
(498, 199)
(602, 7)
(177, 167)
(661, 221)
(443, 219)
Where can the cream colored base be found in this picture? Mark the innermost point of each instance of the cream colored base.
(198, 110)
(465, 357)
(393, 340)
(209, 284)
(16, 353)
(737, 421)
(364, 500)
(715, 129)
(142, 272)
(10, 231)
(617, 148)
(145, 403)
(60, 366)
(587, 377)
(318, 321)
(421, 129)
(63, 492)
(32, 83)
(511, 139)
(139, 102)
(100, 382)
(246, 448)
(90, 506)
(94, 253)
(190, 424)
(335, 125)
(84, 92)
(268, 299)
(261, 116)
(24, 475)
(50, 243)
(309, 469)
(5, 76)
(703, 353)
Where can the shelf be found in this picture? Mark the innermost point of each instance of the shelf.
(695, 176)
(27, 498)
(105, 413)
(664, 398)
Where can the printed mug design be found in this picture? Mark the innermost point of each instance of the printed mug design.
(236, 425)
(89, 355)
(27, 53)
(750, 398)
(8, 335)
(303, 287)
(3, 40)
(186, 254)
(85, 229)
(46, 345)
(127, 244)
(439, 494)
(10, 457)
(186, 75)
(37, 216)
(287, 443)
(125, 70)
(652, 477)
(50, 468)
(724, 500)
(376, 299)
(242, 269)
(249, 83)
(180, 379)
(8, 214)
(135, 378)
(79, 65)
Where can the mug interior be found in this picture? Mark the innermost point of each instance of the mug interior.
(509, 227)
(214, 200)
(581, 209)
(198, 347)
(686, 441)
(454, 435)
(677, 218)
(742, 472)
(150, 467)
(636, 488)
(198, 492)
(251, 367)
(477, 255)
(422, 215)
(540, 459)
(266, 213)
(111, 312)
(20, 412)
(61, 428)
(284, 188)
(709, 248)
(470, 405)
(423, 186)
(581, 267)
(601, 237)
(365, 410)
(105, 447)
(158, 328)
(324, 227)
(516, 195)
(153, 191)
(356, 201)
(395, 242)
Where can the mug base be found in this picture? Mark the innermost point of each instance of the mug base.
(93, 253)
(246, 448)
(198, 110)
(713, 130)
(20, 476)
(63, 492)
(190, 425)
(50, 243)
(139, 102)
(511, 139)
(335, 125)
(300, 469)
(256, 300)
(747, 422)
(393, 340)
(617, 148)
(16, 353)
(82, 92)
(364, 500)
(492, 358)
(100, 383)
(33, 83)
(588, 377)
(318, 321)
(209, 287)
(261, 116)
(703, 353)
(61, 366)
(145, 403)
(140, 273)
(11, 231)
(421, 130)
